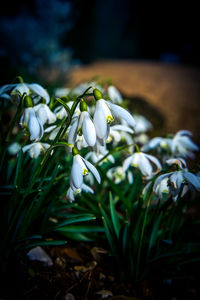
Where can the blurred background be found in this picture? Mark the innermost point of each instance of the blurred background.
(150, 50)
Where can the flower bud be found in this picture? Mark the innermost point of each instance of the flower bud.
(83, 105)
(97, 94)
(75, 151)
(28, 102)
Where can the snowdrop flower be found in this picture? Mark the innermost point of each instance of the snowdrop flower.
(44, 113)
(79, 169)
(142, 139)
(71, 193)
(114, 95)
(117, 174)
(83, 125)
(104, 115)
(61, 92)
(142, 161)
(142, 124)
(18, 89)
(14, 148)
(30, 120)
(35, 149)
(182, 145)
(117, 133)
(158, 143)
(98, 153)
(60, 112)
(178, 182)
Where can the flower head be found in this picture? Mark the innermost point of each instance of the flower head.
(33, 123)
(35, 149)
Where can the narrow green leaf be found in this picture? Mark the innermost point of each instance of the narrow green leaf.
(115, 219)
(80, 228)
(76, 220)
(47, 243)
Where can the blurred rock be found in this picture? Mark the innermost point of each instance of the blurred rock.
(38, 254)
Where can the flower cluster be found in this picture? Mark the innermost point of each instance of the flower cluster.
(92, 117)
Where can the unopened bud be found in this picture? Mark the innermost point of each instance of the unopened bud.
(97, 94)
(83, 105)
(28, 101)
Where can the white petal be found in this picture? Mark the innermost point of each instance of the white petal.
(193, 179)
(89, 131)
(76, 173)
(127, 163)
(87, 189)
(35, 127)
(70, 194)
(121, 113)
(73, 132)
(154, 160)
(93, 170)
(144, 165)
(39, 90)
(100, 120)
(122, 128)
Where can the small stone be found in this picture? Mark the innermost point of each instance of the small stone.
(38, 254)
(69, 296)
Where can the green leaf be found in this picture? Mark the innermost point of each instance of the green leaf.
(114, 216)
(47, 243)
(76, 220)
(80, 228)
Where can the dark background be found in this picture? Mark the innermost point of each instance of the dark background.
(59, 34)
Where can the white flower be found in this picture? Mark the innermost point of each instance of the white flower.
(30, 120)
(142, 161)
(83, 125)
(104, 115)
(18, 89)
(178, 182)
(159, 143)
(79, 169)
(71, 193)
(182, 145)
(142, 124)
(117, 174)
(61, 92)
(35, 149)
(114, 95)
(98, 153)
(14, 148)
(117, 133)
(44, 113)
(60, 112)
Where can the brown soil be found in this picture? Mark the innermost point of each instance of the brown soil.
(167, 92)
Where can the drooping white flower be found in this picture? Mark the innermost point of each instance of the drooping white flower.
(104, 115)
(30, 120)
(117, 133)
(44, 113)
(71, 194)
(142, 161)
(14, 148)
(182, 145)
(158, 143)
(35, 149)
(176, 183)
(61, 92)
(142, 124)
(98, 153)
(117, 175)
(79, 169)
(114, 95)
(83, 125)
(18, 89)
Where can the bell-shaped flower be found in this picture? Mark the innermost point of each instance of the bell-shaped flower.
(38, 90)
(35, 149)
(182, 145)
(33, 123)
(118, 133)
(83, 125)
(79, 169)
(142, 161)
(71, 194)
(178, 182)
(114, 95)
(98, 153)
(104, 115)
(44, 113)
(142, 124)
(117, 175)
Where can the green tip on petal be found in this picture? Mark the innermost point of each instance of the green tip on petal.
(97, 94)
(75, 151)
(83, 105)
(28, 101)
